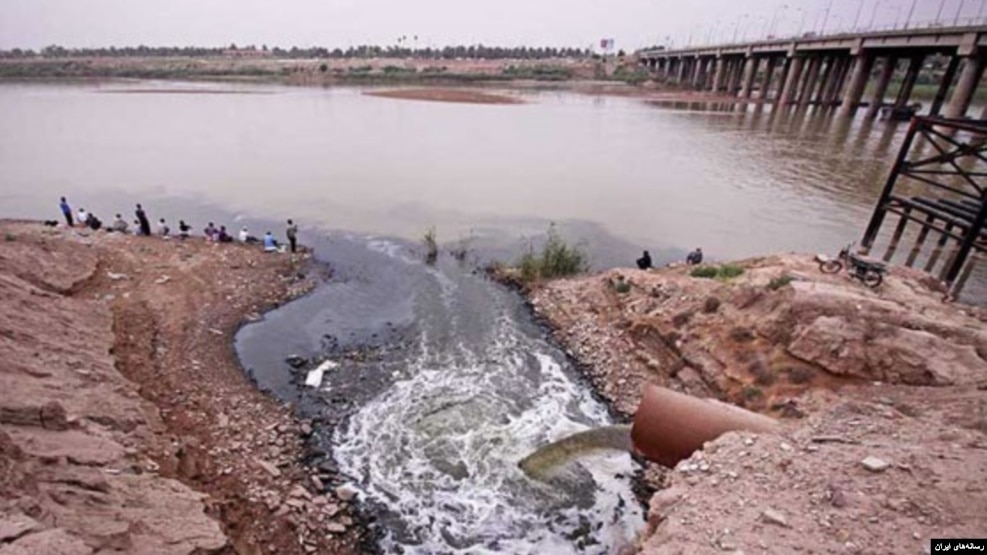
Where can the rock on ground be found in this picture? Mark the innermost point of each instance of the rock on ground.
(891, 376)
(126, 424)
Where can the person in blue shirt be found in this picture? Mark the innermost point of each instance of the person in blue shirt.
(270, 244)
(66, 211)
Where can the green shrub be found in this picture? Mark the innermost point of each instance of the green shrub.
(724, 272)
(704, 272)
(751, 392)
(622, 287)
(556, 259)
(779, 282)
(728, 271)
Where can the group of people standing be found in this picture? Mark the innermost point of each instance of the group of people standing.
(142, 226)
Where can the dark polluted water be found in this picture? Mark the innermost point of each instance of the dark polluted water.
(444, 384)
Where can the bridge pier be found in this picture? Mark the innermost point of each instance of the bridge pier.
(786, 67)
(973, 69)
(790, 84)
(750, 70)
(944, 84)
(736, 76)
(769, 70)
(824, 80)
(911, 76)
(718, 74)
(887, 71)
(805, 94)
(862, 66)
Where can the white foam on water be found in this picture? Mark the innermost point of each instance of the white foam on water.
(440, 451)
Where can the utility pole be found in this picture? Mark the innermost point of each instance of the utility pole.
(873, 15)
(956, 21)
(910, 12)
(822, 30)
(942, 4)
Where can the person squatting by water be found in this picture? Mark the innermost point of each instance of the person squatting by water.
(119, 224)
(210, 232)
(695, 257)
(184, 229)
(222, 236)
(292, 233)
(66, 211)
(82, 217)
(644, 262)
(163, 229)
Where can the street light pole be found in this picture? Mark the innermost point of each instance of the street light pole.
(736, 28)
(873, 15)
(956, 21)
(942, 5)
(910, 12)
(822, 30)
(856, 20)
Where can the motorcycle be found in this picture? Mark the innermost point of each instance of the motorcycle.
(870, 272)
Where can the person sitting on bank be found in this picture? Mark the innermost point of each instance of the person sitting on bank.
(184, 229)
(246, 237)
(83, 217)
(270, 244)
(222, 236)
(210, 232)
(93, 222)
(644, 262)
(695, 257)
(137, 227)
(119, 224)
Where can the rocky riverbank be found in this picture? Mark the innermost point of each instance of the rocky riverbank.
(126, 423)
(882, 393)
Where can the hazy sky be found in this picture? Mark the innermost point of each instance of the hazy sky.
(633, 23)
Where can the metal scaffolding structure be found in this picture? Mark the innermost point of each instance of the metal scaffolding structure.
(943, 164)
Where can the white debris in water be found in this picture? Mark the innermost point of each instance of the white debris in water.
(314, 377)
(440, 448)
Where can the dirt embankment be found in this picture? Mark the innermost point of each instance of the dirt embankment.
(882, 393)
(125, 422)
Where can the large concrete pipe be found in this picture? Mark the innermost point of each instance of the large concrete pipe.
(670, 426)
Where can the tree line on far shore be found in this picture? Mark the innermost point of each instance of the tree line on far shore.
(478, 51)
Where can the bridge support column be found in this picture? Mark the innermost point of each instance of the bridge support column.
(769, 71)
(680, 70)
(809, 84)
(824, 81)
(862, 67)
(840, 70)
(944, 84)
(750, 70)
(882, 86)
(736, 74)
(791, 82)
(718, 75)
(786, 67)
(973, 68)
(905, 92)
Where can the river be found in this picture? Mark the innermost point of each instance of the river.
(444, 381)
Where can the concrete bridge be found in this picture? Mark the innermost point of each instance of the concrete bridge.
(834, 70)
